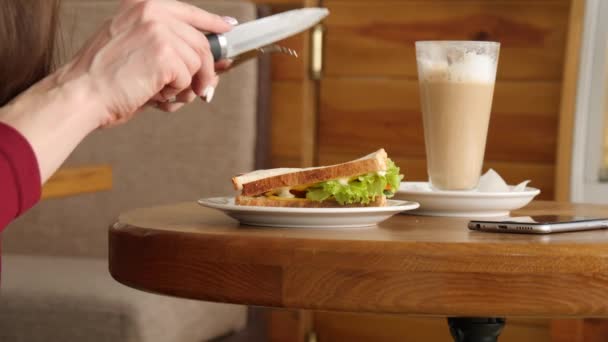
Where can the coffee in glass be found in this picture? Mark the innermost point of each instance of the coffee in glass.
(456, 80)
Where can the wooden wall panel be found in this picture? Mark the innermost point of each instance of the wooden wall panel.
(359, 115)
(568, 100)
(286, 68)
(333, 326)
(369, 94)
(294, 97)
(289, 325)
(377, 38)
(573, 330)
(291, 124)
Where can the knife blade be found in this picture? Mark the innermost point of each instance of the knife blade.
(261, 32)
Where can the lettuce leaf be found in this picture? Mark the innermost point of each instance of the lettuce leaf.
(362, 189)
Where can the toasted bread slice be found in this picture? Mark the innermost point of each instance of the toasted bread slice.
(261, 181)
(263, 201)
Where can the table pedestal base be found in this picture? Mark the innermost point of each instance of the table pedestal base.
(475, 329)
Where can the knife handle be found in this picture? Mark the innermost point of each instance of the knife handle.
(218, 45)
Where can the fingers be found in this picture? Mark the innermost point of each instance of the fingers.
(157, 98)
(207, 71)
(198, 18)
(203, 71)
(208, 88)
(170, 107)
(185, 40)
(205, 77)
(193, 49)
(189, 36)
(129, 3)
(186, 96)
(164, 106)
(209, 91)
(223, 65)
(185, 66)
(174, 60)
(178, 78)
(138, 11)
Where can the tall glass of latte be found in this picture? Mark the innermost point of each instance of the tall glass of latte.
(456, 80)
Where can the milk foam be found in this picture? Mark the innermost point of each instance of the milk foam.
(472, 67)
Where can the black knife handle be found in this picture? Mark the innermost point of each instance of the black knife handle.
(215, 44)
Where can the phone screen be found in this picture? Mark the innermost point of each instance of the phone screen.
(548, 219)
(542, 224)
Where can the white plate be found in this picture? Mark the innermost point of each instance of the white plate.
(307, 217)
(463, 203)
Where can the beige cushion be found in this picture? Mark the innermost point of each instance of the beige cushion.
(75, 299)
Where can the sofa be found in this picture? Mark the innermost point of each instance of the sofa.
(55, 281)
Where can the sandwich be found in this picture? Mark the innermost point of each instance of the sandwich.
(364, 182)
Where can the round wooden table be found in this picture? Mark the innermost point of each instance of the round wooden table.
(410, 265)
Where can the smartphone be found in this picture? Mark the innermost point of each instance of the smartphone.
(539, 224)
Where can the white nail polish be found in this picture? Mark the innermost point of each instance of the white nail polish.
(230, 20)
(208, 93)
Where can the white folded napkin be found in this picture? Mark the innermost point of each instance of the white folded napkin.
(491, 181)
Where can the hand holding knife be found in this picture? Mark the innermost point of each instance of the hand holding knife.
(262, 32)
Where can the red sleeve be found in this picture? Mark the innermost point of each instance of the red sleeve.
(19, 175)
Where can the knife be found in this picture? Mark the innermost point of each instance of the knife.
(261, 32)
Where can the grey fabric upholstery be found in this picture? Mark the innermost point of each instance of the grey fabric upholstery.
(75, 299)
(157, 158)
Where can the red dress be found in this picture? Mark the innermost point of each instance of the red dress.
(19, 175)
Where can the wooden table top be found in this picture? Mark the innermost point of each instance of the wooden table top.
(408, 264)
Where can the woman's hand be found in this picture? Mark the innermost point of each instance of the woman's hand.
(152, 51)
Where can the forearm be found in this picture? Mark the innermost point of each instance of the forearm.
(54, 118)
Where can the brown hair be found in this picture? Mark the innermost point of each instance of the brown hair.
(27, 33)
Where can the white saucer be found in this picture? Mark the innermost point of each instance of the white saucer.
(463, 203)
(307, 217)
